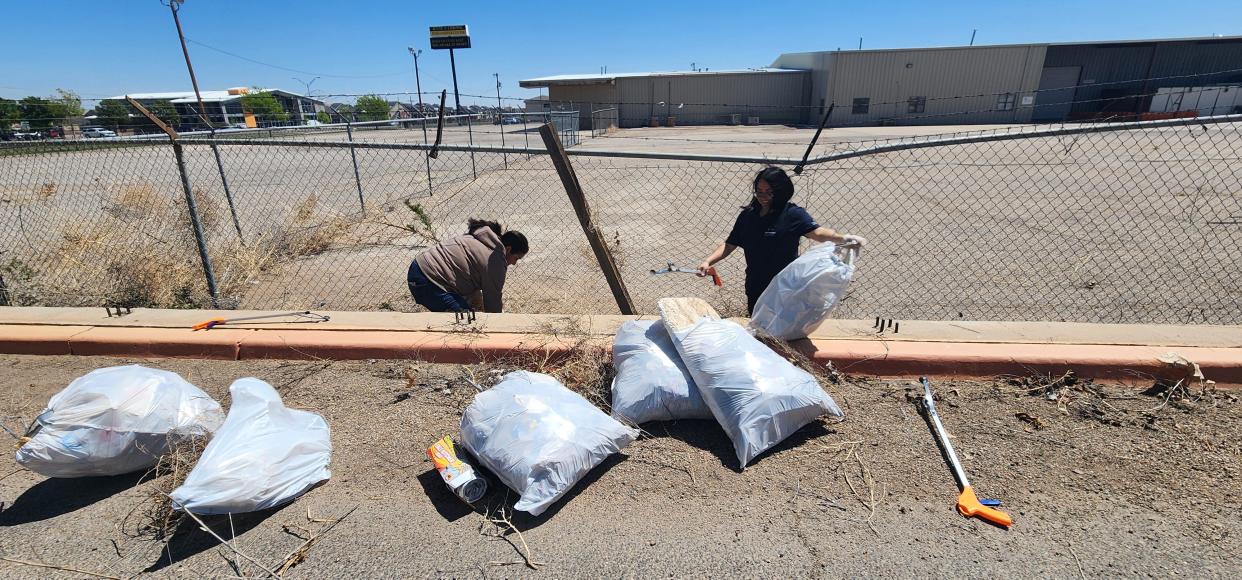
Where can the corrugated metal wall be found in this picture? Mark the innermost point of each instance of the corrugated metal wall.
(960, 84)
(1113, 75)
(585, 98)
(710, 99)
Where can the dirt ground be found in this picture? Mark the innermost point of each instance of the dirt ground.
(1115, 484)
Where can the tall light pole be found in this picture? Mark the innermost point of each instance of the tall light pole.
(418, 86)
(500, 115)
(307, 84)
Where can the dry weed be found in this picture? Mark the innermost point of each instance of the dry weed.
(48, 189)
(154, 517)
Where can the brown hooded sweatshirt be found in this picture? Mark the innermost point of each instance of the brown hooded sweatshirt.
(467, 264)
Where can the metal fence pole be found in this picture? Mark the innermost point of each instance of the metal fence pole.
(228, 195)
(526, 132)
(353, 155)
(470, 135)
(192, 207)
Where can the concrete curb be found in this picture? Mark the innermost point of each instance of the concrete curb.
(962, 350)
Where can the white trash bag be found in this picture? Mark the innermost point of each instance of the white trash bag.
(757, 396)
(652, 384)
(802, 294)
(116, 420)
(539, 437)
(264, 455)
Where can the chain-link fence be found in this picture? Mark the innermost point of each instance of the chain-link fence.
(1100, 223)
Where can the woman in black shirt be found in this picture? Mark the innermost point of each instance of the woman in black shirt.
(768, 231)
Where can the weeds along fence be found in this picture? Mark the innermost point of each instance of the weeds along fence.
(1126, 222)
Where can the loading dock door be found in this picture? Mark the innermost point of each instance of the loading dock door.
(1057, 86)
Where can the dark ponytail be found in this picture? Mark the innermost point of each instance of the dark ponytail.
(516, 242)
(475, 223)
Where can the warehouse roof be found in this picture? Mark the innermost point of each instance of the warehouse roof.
(1074, 43)
(607, 79)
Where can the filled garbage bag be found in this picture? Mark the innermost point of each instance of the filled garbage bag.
(539, 437)
(757, 396)
(802, 294)
(116, 420)
(651, 383)
(264, 455)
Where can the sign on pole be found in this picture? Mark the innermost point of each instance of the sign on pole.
(456, 36)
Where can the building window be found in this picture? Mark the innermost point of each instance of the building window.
(916, 105)
(1005, 102)
(861, 106)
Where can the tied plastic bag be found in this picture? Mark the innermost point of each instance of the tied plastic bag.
(116, 420)
(758, 397)
(264, 455)
(539, 437)
(802, 294)
(652, 384)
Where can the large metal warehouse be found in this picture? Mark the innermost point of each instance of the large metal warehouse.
(1011, 83)
(1019, 83)
(755, 96)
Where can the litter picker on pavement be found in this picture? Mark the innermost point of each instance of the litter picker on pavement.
(304, 315)
(967, 503)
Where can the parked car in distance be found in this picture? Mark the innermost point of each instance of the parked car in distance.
(238, 126)
(511, 121)
(96, 132)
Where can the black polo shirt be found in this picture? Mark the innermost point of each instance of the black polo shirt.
(769, 242)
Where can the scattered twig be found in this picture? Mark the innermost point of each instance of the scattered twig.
(1081, 574)
(503, 521)
(213, 534)
(55, 567)
(298, 555)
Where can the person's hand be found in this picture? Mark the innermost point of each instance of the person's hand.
(705, 269)
(858, 242)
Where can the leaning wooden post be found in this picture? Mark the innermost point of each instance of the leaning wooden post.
(576, 197)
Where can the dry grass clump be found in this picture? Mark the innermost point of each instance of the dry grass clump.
(154, 517)
(141, 251)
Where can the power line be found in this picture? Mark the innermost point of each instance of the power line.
(284, 68)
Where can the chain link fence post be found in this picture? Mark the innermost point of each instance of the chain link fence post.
(228, 194)
(196, 223)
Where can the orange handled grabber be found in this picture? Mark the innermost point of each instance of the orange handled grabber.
(305, 314)
(967, 503)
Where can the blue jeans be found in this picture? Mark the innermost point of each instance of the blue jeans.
(430, 296)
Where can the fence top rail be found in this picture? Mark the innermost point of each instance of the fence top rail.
(933, 141)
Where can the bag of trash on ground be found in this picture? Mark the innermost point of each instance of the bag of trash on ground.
(264, 455)
(539, 437)
(802, 294)
(651, 383)
(116, 420)
(757, 396)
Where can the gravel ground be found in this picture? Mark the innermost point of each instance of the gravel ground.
(1115, 484)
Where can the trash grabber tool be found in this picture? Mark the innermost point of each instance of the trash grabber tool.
(967, 503)
(671, 269)
(214, 322)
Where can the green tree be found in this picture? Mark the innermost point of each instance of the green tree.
(264, 106)
(113, 113)
(10, 113)
(66, 104)
(371, 108)
(166, 112)
(323, 117)
(37, 112)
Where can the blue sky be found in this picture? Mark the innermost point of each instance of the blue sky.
(106, 47)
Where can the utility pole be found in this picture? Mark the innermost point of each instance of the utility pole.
(500, 116)
(202, 111)
(972, 35)
(418, 84)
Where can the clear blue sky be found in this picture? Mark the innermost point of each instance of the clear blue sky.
(102, 48)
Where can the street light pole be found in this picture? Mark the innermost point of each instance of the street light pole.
(418, 84)
(301, 113)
